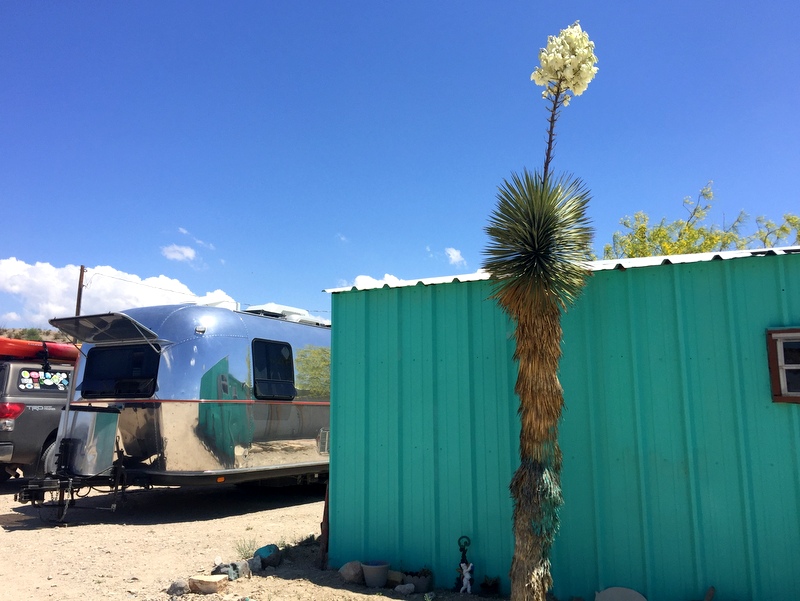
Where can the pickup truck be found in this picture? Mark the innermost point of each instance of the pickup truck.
(35, 379)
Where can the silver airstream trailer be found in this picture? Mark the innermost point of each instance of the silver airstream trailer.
(189, 394)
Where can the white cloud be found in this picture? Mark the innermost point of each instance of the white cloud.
(454, 256)
(364, 282)
(44, 291)
(197, 241)
(173, 252)
(9, 319)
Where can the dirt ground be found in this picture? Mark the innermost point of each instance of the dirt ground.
(155, 537)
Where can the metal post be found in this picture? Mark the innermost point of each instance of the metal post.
(80, 292)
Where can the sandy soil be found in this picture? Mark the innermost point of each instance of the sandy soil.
(155, 537)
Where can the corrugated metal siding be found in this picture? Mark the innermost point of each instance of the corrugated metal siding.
(679, 472)
(425, 429)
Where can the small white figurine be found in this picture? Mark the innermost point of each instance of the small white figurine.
(466, 576)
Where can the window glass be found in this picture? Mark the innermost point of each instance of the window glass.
(128, 371)
(36, 381)
(791, 352)
(793, 380)
(273, 370)
(790, 366)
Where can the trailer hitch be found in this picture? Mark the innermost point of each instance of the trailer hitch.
(63, 487)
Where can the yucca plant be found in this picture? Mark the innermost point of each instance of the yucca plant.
(540, 236)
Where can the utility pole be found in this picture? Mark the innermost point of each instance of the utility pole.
(80, 291)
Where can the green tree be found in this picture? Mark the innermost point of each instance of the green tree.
(693, 234)
(539, 235)
(314, 371)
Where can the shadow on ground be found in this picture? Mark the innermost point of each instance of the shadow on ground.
(155, 506)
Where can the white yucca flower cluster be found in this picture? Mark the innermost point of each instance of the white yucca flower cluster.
(568, 64)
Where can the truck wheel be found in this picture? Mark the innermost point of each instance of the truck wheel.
(47, 462)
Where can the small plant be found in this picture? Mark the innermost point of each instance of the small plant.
(246, 548)
(422, 579)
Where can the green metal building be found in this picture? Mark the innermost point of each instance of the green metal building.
(681, 435)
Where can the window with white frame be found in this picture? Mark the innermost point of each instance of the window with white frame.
(783, 353)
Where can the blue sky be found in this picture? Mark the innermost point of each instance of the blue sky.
(265, 151)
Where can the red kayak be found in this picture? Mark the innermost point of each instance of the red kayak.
(11, 348)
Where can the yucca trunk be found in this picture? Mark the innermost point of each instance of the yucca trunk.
(536, 487)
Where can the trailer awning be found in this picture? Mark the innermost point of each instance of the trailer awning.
(104, 328)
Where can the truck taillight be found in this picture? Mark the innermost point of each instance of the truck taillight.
(11, 410)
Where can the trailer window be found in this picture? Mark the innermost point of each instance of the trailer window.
(273, 370)
(124, 372)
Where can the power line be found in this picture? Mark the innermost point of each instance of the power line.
(96, 273)
(167, 289)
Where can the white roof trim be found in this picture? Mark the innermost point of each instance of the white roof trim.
(691, 258)
(604, 265)
(446, 279)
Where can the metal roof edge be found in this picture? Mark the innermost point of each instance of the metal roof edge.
(447, 279)
(600, 265)
(607, 264)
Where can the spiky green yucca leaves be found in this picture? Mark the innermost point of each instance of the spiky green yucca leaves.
(539, 237)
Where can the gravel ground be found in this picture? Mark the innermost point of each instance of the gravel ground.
(155, 537)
